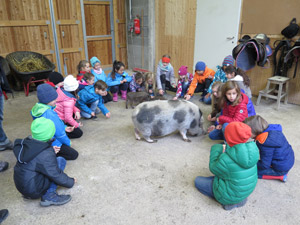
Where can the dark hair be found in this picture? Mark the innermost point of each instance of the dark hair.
(81, 64)
(100, 85)
(257, 124)
(229, 85)
(116, 66)
(238, 71)
(88, 76)
(138, 76)
(166, 55)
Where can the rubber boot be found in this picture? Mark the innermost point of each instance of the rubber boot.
(115, 97)
(124, 95)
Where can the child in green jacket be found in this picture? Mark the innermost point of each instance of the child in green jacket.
(234, 167)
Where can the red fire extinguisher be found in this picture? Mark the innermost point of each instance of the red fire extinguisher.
(137, 26)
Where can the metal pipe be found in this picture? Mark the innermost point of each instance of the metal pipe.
(130, 17)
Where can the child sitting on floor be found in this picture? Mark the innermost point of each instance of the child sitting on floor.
(82, 68)
(38, 171)
(45, 108)
(165, 78)
(150, 84)
(183, 82)
(90, 98)
(99, 74)
(137, 83)
(65, 105)
(234, 167)
(276, 154)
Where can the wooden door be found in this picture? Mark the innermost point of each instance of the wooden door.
(98, 31)
(120, 31)
(69, 33)
(25, 25)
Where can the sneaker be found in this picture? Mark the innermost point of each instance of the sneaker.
(6, 145)
(3, 215)
(95, 118)
(3, 166)
(284, 178)
(54, 199)
(230, 207)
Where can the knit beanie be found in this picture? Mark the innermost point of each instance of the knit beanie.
(46, 93)
(94, 60)
(70, 83)
(228, 60)
(237, 133)
(200, 66)
(42, 129)
(55, 78)
(182, 70)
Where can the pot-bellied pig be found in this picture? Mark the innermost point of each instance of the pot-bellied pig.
(163, 117)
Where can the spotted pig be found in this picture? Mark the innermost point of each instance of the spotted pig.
(163, 117)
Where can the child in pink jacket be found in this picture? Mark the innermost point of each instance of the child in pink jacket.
(65, 106)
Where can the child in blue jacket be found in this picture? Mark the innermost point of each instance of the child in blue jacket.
(45, 108)
(90, 97)
(99, 74)
(276, 154)
(117, 80)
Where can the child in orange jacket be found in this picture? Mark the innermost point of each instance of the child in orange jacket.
(202, 79)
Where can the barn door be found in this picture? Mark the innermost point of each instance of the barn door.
(68, 27)
(99, 35)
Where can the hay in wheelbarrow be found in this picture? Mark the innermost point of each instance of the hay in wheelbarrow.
(27, 64)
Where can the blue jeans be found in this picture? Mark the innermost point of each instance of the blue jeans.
(218, 134)
(93, 107)
(270, 172)
(2, 133)
(205, 185)
(61, 163)
(207, 101)
(185, 86)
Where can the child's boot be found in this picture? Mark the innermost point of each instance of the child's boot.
(268, 177)
(115, 97)
(53, 198)
(124, 95)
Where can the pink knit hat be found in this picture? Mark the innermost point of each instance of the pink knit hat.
(183, 70)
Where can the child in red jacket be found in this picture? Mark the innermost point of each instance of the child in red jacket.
(234, 108)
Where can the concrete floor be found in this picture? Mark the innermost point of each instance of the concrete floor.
(124, 181)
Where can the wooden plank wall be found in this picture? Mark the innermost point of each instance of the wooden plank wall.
(97, 22)
(175, 22)
(259, 17)
(25, 26)
(120, 31)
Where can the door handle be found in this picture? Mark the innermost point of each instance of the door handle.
(230, 38)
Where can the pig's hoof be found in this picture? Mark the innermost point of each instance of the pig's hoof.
(187, 140)
(138, 138)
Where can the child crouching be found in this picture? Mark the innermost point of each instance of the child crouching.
(38, 171)
(276, 154)
(90, 98)
(234, 167)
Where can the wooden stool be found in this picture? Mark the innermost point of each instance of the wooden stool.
(268, 92)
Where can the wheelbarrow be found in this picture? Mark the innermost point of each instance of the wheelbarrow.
(30, 67)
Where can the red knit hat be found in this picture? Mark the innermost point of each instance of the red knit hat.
(237, 133)
(182, 70)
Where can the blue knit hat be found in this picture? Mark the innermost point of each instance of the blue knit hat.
(228, 60)
(200, 66)
(46, 93)
(94, 60)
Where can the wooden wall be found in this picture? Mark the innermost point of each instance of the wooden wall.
(97, 22)
(25, 26)
(175, 22)
(270, 17)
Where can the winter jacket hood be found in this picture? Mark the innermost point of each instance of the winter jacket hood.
(27, 149)
(39, 109)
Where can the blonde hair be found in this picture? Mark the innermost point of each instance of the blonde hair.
(230, 85)
(148, 76)
(257, 124)
(218, 85)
